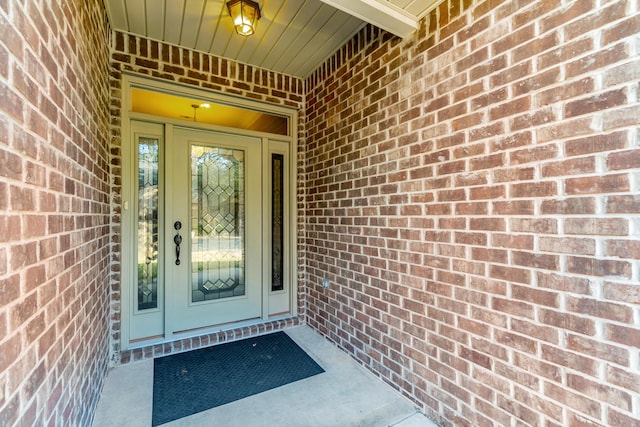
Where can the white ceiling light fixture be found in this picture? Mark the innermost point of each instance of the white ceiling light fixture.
(245, 15)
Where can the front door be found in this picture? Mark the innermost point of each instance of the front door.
(208, 214)
(213, 217)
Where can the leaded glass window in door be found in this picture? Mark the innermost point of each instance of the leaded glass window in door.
(277, 222)
(147, 262)
(217, 223)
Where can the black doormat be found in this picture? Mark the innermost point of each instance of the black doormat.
(194, 381)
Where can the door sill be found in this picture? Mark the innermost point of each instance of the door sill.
(247, 329)
(231, 327)
(189, 333)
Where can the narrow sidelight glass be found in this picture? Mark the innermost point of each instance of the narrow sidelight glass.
(277, 221)
(147, 223)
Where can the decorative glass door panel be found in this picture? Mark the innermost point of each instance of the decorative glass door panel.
(143, 254)
(148, 227)
(213, 190)
(279, 240)
(277, 222)
(217, 223)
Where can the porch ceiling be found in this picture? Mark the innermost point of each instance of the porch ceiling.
(293, 36)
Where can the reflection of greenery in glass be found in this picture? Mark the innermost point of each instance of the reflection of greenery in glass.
(147, 223)
(148, 270)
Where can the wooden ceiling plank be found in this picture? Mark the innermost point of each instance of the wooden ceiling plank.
(136, 17)
(117, 12)
(303, 65)
(210, 25)
(173, 21)
(280, 24)
(222, 37)
(269, 24)
(304, 26)
(191, 22)
(236, 43)
(155, 18)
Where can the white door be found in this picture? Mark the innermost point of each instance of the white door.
(213, 230)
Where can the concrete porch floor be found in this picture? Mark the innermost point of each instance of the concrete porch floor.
(346, 394)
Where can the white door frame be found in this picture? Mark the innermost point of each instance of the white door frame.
(271, 143)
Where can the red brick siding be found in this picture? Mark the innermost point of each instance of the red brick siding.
(54, 197)
(472, 195)
(140, 56)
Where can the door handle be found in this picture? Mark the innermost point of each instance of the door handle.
(177, 239)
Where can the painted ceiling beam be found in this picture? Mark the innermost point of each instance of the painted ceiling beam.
(381, 13)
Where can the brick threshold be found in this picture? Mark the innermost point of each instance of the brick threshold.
(206, 340)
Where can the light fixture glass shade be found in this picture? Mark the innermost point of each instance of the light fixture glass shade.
(245, 14)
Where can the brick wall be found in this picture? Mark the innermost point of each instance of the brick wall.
(144, 57)
(473, 196)
(54, 198)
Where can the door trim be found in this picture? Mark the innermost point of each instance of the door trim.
(128, 222)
